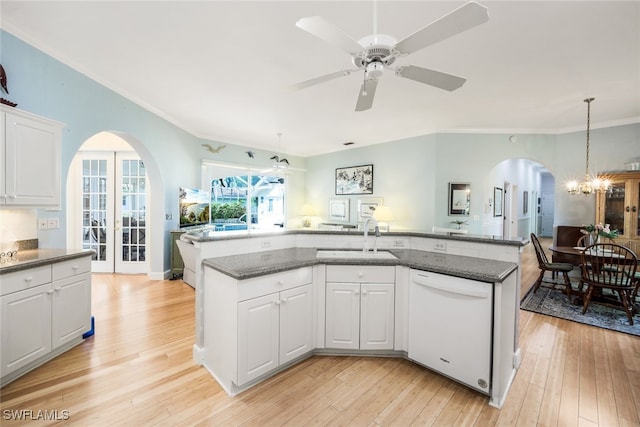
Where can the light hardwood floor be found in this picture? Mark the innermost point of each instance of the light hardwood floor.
(138, 371)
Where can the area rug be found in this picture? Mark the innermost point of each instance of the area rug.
(554, 302)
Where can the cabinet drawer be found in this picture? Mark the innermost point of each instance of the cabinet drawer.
(71, 268)
(24, 279)
(264, 285)
(361, 273)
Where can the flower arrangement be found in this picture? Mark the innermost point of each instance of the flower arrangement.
(600, 230)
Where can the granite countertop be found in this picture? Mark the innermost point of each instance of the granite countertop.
(209, 235)
(37, 257)
(256, 264)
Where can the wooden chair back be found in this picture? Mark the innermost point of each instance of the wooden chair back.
(609, 265)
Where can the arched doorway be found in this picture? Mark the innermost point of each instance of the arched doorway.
(108, 196)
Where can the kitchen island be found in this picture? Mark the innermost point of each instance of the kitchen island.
(273, 301)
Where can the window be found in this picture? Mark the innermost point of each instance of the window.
(247, 201)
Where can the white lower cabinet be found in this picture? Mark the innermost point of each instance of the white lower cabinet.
(26, 327)
(360, 315)
(42, 309)
(273, 330)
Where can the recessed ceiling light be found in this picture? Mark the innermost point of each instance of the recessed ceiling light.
(348, 143)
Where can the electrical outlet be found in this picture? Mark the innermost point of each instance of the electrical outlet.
(266, 243)
(168, 216)
(53, 223)
(440, 246)
(42, 223)
(399, 243)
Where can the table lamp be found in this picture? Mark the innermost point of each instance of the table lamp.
(383, 214)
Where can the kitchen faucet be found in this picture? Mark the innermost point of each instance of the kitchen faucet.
(366, 234)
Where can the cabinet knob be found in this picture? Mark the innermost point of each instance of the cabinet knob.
(280, 282)
(364, 292)
(75, 267)
(28, 278)
(58, 289)
(277, 302)
(50, 291)
(283, 300)
(360, 274)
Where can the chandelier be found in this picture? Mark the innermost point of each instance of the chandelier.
(590, 184)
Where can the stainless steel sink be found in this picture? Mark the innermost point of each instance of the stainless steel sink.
(355, 254)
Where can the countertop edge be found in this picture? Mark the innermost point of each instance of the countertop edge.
(402, 260)
(50, 256)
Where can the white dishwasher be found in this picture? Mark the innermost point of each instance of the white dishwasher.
(450, 327)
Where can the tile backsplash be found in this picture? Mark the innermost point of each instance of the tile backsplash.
(16, 225)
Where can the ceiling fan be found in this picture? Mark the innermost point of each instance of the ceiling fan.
(377, 52)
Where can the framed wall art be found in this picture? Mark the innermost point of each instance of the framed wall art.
(367, 206)
(339, 210)
(354, 180)
(459, 199)
(497, 201)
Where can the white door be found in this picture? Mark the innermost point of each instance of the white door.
(296, 323)
(113, 215)
(547, 207)
(377, 316)
(343, 315)
(130, 214)
(258, 342)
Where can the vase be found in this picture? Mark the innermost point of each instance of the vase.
(592, 239)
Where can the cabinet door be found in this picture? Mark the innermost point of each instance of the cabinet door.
(258, 343)
(376, 316)
(71, 315)
(342, 315)
(296, 323)
(26, 327)
(32, 162)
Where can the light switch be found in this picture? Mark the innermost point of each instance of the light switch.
(53, 223)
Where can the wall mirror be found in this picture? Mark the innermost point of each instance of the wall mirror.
(459, 199)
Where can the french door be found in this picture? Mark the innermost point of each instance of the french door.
(114, 201)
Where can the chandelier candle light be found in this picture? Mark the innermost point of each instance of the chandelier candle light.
(590, 184)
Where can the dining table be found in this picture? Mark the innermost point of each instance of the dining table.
(573, 255)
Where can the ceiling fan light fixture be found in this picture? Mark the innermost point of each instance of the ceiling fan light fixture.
(374, 70)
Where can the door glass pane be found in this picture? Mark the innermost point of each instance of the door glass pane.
(614, 207)
(133, 212)
(94, 233)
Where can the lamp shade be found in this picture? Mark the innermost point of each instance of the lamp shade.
(307, 210)
(383, 213)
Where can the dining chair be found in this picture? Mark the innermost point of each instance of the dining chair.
(554, 267)
(610, 266)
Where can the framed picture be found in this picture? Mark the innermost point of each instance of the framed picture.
(354, 180)
(497, 201)
(459, 199)
(525, 202)
(339, 209)
(367, 206)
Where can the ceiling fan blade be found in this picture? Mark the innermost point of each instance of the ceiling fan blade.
(431, 77)
(320, 79)
(366, 94)
(328, 32)
(465, 17)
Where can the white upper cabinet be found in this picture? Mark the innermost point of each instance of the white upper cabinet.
(30, 155)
